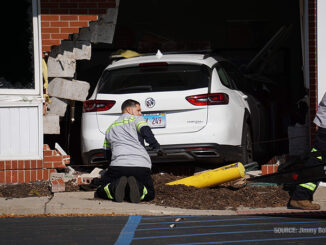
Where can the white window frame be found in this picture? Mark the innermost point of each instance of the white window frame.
(37, 44)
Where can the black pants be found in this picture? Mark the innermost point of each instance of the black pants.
(306, 191)
(114, 173)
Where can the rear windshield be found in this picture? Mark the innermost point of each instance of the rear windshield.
(154, 79)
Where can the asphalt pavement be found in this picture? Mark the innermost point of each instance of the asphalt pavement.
(230, 229)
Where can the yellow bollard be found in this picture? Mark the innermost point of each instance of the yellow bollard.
(213, 177)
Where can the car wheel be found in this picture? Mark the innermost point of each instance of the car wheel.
(247, 147)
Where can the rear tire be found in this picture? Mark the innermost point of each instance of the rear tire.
(246, 144)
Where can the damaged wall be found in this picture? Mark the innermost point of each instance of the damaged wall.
(68, 31)
(60, 19)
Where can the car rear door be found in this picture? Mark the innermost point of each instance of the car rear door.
(161, 89)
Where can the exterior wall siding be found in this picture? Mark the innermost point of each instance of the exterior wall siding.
(19, 132)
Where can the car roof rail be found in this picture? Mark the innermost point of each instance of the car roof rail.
(206, 52)
(195, 51)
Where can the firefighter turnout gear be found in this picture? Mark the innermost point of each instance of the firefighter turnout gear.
(303, 194)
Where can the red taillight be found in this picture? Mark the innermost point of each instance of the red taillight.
(209, 99)
(97, 105)
(153, 64)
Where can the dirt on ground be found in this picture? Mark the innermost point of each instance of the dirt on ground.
(33, 189)
(226, 196)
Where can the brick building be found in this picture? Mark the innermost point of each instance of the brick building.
(80, 29)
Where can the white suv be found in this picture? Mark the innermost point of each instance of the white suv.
(192, 102)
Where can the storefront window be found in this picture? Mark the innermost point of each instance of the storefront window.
(17, 46)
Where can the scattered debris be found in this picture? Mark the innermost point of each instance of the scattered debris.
(69, 170)
(57, 185)
(254, 173)
(226, 196)
(71, 185)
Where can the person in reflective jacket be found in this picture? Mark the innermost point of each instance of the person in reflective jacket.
(303, 194)
(129, 171)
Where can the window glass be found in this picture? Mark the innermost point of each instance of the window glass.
(236, 77)
(223, 77)
(154, 79)
(17, 68)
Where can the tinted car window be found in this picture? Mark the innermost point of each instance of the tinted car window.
(154, 79)
(223, 76)
(236, 77)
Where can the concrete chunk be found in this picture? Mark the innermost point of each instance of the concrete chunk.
(103, 33)
(82, 50)
(78, 50)
(64, 176)
(51, 124)
(66, 89)
(57, 106)
(85, 34)
(110, 16)
(62, 66)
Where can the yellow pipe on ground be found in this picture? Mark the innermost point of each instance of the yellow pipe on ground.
(213, 177)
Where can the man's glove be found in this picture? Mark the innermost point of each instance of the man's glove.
(160, 152)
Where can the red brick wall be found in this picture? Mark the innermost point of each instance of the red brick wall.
(312, 4)
(24, 171)
(59, 18)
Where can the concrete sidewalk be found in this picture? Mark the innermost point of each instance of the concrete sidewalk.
(83, 203)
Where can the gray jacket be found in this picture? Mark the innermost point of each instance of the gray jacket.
(122, 138)
(320, 119)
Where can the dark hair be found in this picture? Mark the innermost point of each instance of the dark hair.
(129, 103)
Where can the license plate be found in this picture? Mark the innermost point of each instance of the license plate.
(156, 120)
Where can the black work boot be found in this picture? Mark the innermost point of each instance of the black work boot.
(134, 193)
(119, 192)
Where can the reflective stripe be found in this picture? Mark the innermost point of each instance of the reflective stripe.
(107, 191)
(127, 120)
(106, 144)
(315, 150)
(144, 193)
(309, 186)
(140, 124)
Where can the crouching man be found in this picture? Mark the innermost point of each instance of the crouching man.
(303, 194)
(129, 172)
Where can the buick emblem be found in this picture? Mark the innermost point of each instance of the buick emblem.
(150, 102)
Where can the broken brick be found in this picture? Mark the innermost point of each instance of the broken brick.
(269, 169)
(57, 185)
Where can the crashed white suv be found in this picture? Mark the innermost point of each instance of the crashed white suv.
(191, 101)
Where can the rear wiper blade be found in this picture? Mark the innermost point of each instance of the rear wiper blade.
(147, 87)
